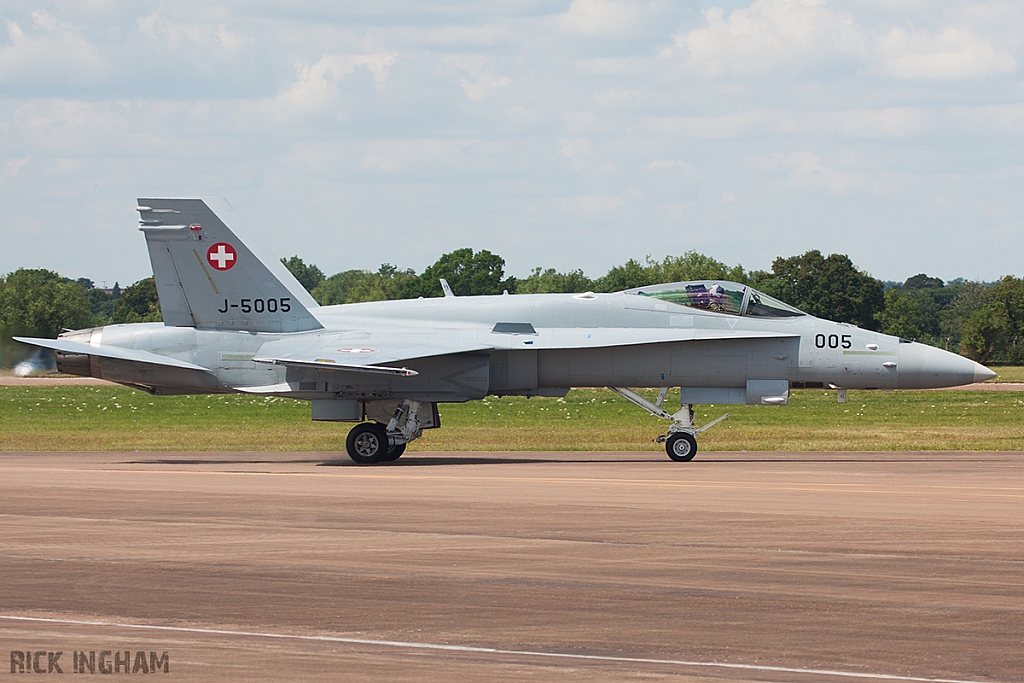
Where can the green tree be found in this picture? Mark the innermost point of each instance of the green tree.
(901, 316)
(101, 305)
(42, 303)
(352, 286)
(627, 276)
(469, 273)
(694, 266)
(831, 288)
(550, 280)
(1009, 292)
(922, 281)
(984, 332)
(967, 298)
(690, 266)
(913, 310)
(336, 288)
(138, 304)
(308, 275)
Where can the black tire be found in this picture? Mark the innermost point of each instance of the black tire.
(367, 443)
(394, 453)
(681, 447)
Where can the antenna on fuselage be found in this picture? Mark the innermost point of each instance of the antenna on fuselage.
(446, 288)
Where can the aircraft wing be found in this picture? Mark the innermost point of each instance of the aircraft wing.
(338, 353)
(115, 352)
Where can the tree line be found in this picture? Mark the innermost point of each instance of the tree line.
(983, 321)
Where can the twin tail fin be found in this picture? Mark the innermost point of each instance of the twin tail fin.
(206, 277)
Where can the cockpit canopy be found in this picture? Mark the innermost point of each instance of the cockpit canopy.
(719, 296)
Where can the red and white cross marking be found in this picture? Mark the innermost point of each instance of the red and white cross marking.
(221, 256)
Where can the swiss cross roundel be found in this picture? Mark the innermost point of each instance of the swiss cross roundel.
(221, 256)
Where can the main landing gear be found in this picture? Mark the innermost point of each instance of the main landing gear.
(681, 439)
(372, 442)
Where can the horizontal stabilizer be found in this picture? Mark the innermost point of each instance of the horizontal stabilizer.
(115, 352)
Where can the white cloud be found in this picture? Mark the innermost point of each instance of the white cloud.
(50, 49)
(799, 36)
(578, 151)
(1003, 118)
(888, 122)
(601, 18)
(955, 53)
(757, 121)
(846, 172)
(232, 42)
(480, 81)
(70, 127)
(198, 32)
(11, 168)
(316, 88)
(769, 34)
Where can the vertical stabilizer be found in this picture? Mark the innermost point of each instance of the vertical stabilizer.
(207, 277)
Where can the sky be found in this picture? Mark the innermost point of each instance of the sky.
(570, 134)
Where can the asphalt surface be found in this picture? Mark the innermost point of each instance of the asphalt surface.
(520, 566)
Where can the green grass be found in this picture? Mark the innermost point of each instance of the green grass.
(1009, 373)
(87, 418)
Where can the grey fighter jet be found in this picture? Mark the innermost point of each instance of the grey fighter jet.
(234, 322)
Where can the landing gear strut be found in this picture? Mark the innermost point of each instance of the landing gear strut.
(372, 442)
(681, 439)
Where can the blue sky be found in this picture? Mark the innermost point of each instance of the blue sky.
(557, 134)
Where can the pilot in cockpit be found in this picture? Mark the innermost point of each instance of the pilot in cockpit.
(717, 296)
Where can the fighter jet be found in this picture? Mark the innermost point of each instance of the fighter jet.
(234, 322)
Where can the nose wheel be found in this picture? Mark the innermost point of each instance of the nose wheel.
(681, 447)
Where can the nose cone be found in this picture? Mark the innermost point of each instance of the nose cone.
(926, 367)
(982, 374)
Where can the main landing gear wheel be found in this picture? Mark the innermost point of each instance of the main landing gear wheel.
(394, 453)
(367, 443)
(681, 447)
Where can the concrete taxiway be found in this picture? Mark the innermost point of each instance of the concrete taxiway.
(520, 566)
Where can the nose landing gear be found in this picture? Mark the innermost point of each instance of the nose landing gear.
(681, 439)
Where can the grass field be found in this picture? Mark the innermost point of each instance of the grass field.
(90, 418)
(1009, 373)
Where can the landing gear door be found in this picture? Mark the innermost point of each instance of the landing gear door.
(382, 411)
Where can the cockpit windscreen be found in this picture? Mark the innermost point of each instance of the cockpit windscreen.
(720, 296)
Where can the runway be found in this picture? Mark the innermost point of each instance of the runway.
(521, 566)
